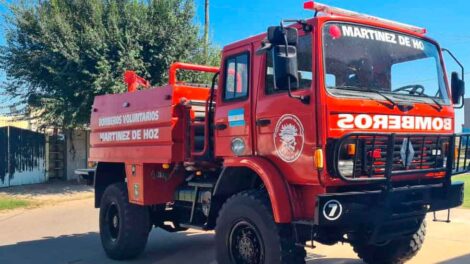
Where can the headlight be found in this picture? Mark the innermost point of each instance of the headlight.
(346, 157)
(346, 167)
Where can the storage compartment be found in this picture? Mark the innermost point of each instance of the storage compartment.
(148, 126)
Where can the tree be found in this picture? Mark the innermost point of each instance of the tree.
(206, 26)
(60, 54)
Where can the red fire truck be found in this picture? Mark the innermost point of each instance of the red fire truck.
(339, 128)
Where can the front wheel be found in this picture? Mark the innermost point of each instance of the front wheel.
(124, 227)
(247, 234)
(393, 252)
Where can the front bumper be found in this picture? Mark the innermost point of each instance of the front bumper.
(385, 214)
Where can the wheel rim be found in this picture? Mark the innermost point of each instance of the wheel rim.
(113, 221)
(246, 245)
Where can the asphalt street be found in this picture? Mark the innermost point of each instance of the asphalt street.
(68, 233)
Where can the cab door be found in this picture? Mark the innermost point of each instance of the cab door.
(233, 118)
(286, 127)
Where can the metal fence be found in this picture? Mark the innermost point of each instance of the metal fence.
(22, 157)
(462, 153)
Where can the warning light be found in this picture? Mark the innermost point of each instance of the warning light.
(309, 5)
(318, 7)
(351, 148)
(335, 32)
(318, 159)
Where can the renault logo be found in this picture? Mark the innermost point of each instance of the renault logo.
(407, 152)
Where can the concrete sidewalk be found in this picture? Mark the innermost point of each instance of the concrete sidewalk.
(49, 191)
(46, 194)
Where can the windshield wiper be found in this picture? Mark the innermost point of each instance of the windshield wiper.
(359, 89)
(439, 105)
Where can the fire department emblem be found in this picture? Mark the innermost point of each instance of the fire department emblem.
(289, 138)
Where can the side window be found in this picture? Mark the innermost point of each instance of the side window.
(304, 56)
(236, 77)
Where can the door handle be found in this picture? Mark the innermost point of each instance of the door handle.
(263, 122)
(220, 126)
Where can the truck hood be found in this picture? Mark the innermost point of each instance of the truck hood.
(357, 115)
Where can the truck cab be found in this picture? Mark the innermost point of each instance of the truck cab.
(339, 128)
(366, 79)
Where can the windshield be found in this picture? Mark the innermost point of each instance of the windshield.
(361, 61)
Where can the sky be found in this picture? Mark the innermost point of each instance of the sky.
(447, 22)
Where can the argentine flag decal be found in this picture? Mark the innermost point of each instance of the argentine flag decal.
(236, 117)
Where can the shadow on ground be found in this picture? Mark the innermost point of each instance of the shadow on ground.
(162, 248)
(86, 248)
(457, 260)
(49, 188)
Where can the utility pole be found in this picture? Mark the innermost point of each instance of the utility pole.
(9, 157)
(206, 28)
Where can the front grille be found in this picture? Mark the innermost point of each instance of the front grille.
(374, 154)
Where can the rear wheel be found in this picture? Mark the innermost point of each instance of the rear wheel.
(246, 233)
(391, 252)
(124, 227)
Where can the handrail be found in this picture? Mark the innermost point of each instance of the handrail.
(206, 135)
(188, 67)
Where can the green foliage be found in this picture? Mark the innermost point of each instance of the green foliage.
(12, 203)
(60, 54)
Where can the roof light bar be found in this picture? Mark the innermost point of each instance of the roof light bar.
(318, 7)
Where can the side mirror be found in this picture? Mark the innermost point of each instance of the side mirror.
(458, 89)
(284, 52)
(278, 35)
(285, 66)
(281, 42)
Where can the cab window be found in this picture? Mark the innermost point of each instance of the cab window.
(304, 57)
(237, 77)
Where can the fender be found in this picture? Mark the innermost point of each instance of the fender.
(106, 174)
(275, 184)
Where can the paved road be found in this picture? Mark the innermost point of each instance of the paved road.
(68, 233)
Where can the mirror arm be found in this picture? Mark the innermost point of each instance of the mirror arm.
(461, 105)
(303, 99)
(457, 61)
(305, 26)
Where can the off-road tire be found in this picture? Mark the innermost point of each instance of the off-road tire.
(396, 251)
(133, 224)
(253, 207)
